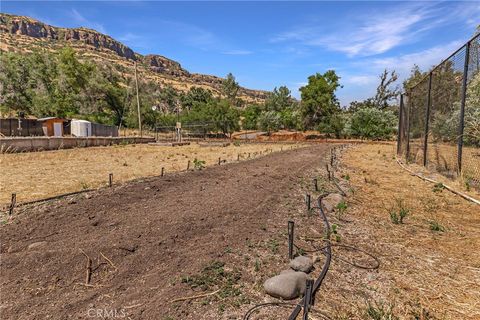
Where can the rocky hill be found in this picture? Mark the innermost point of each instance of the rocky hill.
(23, 34)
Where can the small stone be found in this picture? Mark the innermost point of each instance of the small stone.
(36, 245)
(302, 263)
(287, 285)
(331, 201)
(88, 196)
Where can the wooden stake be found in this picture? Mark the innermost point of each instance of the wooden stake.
(163, 171)
(188, 165)
(110, 180)
(12, 204)
(88, 274)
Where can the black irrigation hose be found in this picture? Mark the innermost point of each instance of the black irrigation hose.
(374, 267)
(316, 285)
(326, 265)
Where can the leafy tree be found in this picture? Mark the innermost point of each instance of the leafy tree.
(333, 125)
(195, 95)
(250, 116)
(230, 88)
(269, 121)
(279, 99)
(318, 98)
(15, 84)
(291, 118)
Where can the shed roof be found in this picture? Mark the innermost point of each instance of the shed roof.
(52, 118)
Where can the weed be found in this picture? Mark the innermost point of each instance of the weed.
(198, 164)
(300, 252)
(257, 265)
(84, 185)
(394, 217)
(273, 245)
(236, 144)
(435, 226)
(378, 311)
(335, 233)
(340, 209)
(398, 213)
(215, 275)
(438, 187)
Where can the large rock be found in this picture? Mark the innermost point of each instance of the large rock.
(302, 263)
(331, 201)
(287, 285)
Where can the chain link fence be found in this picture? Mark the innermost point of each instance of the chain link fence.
(191, 132)
(439, 119)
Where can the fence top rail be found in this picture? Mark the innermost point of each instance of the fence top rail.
(448, 58)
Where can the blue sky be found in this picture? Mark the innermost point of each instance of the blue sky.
(268, 44)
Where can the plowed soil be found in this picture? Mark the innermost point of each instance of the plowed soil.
(143, 238)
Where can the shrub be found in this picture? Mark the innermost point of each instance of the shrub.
(372, 123)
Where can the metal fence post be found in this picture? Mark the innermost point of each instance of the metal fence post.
(400, 123)
(427, 119)
(461, 124)
(291, 228)
(407, 114)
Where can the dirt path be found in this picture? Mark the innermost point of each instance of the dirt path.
(155, 233)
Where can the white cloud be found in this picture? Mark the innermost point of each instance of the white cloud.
(377, 33)
(84, 22)
(424, 59)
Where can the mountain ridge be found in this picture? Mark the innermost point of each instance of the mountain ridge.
(23, 34)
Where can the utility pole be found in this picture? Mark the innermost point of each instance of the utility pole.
(138, 101)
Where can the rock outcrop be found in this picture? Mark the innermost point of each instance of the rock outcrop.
(22, 26)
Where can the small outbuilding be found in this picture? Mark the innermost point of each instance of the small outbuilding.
(52, 126)
(80, 128)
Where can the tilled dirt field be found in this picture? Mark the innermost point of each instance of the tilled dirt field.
(145, 239)
(199, 245)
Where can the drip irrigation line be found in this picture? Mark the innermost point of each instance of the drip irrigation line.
(458, 193)
(326, 265)
(316, 285)
(257, 307)
(337, 257)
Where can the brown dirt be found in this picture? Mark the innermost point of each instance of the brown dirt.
(155, 232)
(224, 228)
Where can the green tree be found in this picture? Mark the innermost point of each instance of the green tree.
(194, 96)
(250, 116)
(279, 99)
(230, 88)
(269, 121)
(318, 98)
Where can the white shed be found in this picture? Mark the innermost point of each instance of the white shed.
(81, 128)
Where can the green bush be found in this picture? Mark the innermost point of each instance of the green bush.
(372, 123)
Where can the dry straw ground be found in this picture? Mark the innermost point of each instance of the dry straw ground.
(38, 175)
(430, 264)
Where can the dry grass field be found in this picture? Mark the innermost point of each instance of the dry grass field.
(38, 175)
